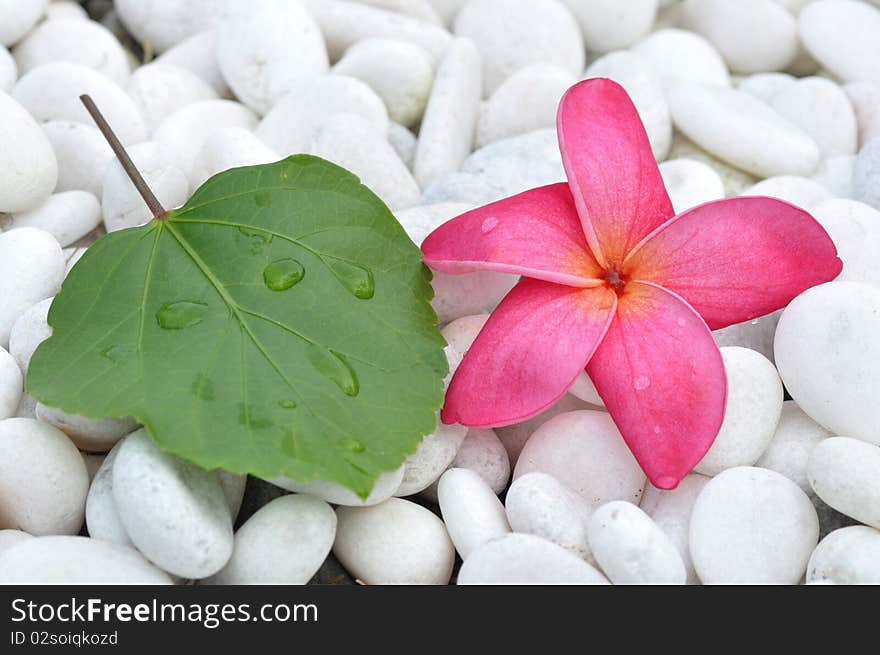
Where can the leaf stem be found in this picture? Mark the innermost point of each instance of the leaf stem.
(128, 166)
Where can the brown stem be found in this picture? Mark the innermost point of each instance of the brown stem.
(128, 166)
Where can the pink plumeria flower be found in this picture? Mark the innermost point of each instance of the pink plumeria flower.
(614, 282)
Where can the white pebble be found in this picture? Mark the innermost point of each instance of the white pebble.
(734, 179)
(10, 538)
(82, 154)
(752, 526)
(265, 49)
(8, 70)
(102, 517)
(77, 561)
(97, 435)
(829, 358)
(836, 175)
(865, 99)
(197, 55)
(460, 335)
(420, 9)
(754, 404)
(435, 453)
(447, 9)
(866, 174)
(584, 389)
(233, 486)
(671, 511)
(68, 216)
(845, 473)
(395, 542)
(65, 9)
(631, 548)
(690, 183)
(284, 542)
(610, 24)
(17, 17)
(51, 92)
(471, 510)
(122, 205)
(789, 451)
(752, 35)
(800, 191)
(165, 23)
(524, 559)
(404, 143)
(846, 556)
(173, 511)
(162, 89)
(447, 132)
(291, 125)
(43, 480)
(821, 109)
(676, 54)
(31, 269)
(28, 168)
(766, 86)
(842, 36)
(540, 505)
(483, 453)
(400, 73)
(74, 40)
(742, 130)
(28, 332)
(11, 385)
(635, 75)
(384, 487)
(585, 452)
(229, 147)
(511, 34)
(855, 229)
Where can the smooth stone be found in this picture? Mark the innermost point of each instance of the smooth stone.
(173, 511)
(197, 54)
(671, 511)
(51, 92)
(637, 77)
(855, 229)
(483, 453)
(122, 205)
(800, 191)
(43, 480)
(829, 358)
(28, 332)
(585, 452)
(400, 73)
(865, 99)
(524, 102)
(511, 34)
(165, 23)
(795, 437)
(752, 526)
(524, 559)
(26, 407)
(67, 560)
(742, 130)
(690, 183)
(28, 168)
(74, 40)
(540, 505)
(66, 9)
(847, 556)
(632, 549)
(456, 296)
(31, 269)
(866, 174)
(404, 143)
(753, 36)
(845, 473)
(266, 48)
(395, 542)
(17, 17)
(446, 136)
(233, 486)
(842, 36)
(284, 542)
(433, 456)
(735, 180)
(754, 404)
(420, 9)
(102, 517)
(766, 86)
(584, 389)
(612, 25)
(82, 154)
(383, 489)
(836, 175)
(68, 216)
(11, 384)
(93, 463)
(72, 257)
(447, 10)
(821, 109)
(10, 538)
(676, 54)
(183, 133)
(352, 142)
(8, 70)
(345, 23)
(229, 147)
(89, 434)
(291, 124)
(471, 510)
(162, 89)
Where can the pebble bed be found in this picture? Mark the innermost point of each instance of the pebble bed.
(440, 106)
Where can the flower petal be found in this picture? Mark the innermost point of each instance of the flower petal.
(662, 379)
(536, 233)
(611, 169)
(531, 349)
(736, 259)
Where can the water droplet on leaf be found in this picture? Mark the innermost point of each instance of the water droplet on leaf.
(353, 445)
(336, 368)
(117, 352)
(202, 387)
(283, 274)
(181, 314)
(261, 198)
(355, 278)
(489, 224)
(262, 235)
(287, 404)
(641, 382)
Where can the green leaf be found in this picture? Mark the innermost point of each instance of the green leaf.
(277, 324)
